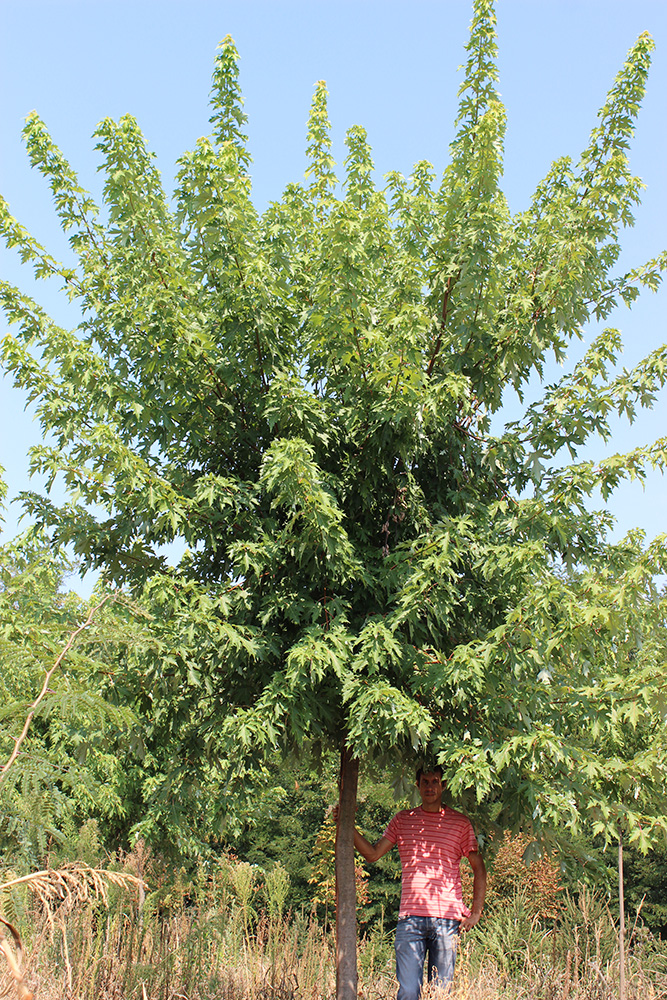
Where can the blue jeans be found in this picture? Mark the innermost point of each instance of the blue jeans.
(417, 938)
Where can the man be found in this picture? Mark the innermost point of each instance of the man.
(431, 841)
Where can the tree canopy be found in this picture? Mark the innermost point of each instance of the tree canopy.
(308, 401)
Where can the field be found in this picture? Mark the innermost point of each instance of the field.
(220, 934)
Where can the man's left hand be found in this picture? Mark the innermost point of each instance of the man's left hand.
(468, 922)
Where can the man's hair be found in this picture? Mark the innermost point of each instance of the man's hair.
(428, 769)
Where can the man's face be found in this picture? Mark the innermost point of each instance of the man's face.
(430, 788)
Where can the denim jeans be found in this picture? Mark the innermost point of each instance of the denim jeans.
(417, 938)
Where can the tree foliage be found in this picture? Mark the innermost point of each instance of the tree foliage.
(304, 398)
(60, 754)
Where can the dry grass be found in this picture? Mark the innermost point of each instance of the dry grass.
(71, 885)
(195, 940)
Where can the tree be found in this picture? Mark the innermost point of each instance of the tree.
(60, 741)
(304, 399)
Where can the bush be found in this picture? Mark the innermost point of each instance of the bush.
(536, 884)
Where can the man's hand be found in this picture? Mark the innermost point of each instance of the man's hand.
(468, 922)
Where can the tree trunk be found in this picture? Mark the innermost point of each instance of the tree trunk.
(621, 923)
(346, 889)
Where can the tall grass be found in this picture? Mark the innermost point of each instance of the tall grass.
(216, 935)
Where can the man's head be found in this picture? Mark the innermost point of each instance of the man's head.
(429, 769)
(429, 785)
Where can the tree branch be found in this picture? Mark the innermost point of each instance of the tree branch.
(451, 280)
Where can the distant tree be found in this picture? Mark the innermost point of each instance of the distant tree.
(60, 742)
(304, 399)
(646, 888)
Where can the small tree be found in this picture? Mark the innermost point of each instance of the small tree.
(304, 398)
(539, 884)
(59, 738)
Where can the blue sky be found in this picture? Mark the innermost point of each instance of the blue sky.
(391, 67)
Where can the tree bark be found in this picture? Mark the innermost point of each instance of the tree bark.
(346, 889)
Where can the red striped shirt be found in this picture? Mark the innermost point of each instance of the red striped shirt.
(431, 845)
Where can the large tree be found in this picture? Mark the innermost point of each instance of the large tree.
(304, 398)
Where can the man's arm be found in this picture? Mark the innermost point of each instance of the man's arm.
(370, 852)
(478, 890)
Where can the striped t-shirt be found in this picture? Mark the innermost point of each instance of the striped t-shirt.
(431, 845)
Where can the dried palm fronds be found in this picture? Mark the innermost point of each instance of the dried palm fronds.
(14, 960)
